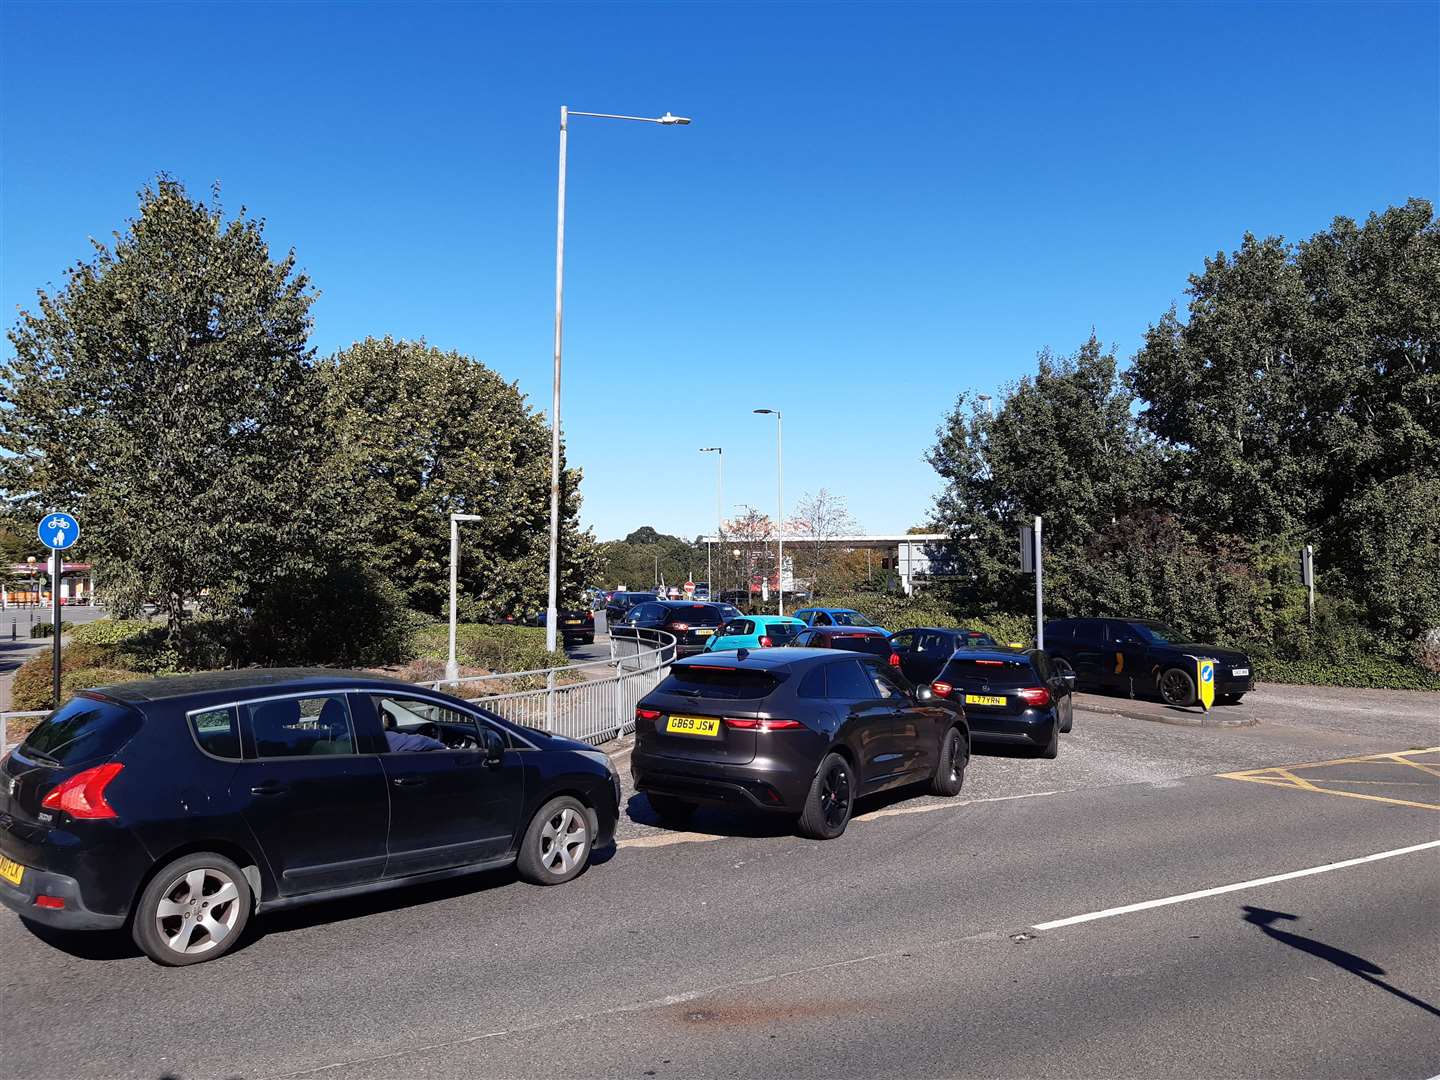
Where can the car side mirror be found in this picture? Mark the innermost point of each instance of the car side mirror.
(924, 693)
(494, 748)
(1069, 679)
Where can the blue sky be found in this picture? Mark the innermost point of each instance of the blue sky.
(877, 206)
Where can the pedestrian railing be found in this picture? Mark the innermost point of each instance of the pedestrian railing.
(592, 701)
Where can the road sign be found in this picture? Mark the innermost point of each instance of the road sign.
(1027, 549)
(1205, 681)
(689, 588)
(58, 531)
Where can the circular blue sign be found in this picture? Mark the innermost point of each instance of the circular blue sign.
(1207, 672)
(58, 531)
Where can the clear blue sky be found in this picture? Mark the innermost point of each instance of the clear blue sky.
(876, 207)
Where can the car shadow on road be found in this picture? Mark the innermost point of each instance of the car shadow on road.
(1346, 961)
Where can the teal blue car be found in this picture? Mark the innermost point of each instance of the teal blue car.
(755, 632)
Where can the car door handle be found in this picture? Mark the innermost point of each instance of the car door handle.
(408, 781)
(269, 787)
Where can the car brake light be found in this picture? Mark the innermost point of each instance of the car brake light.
(647, 714)
(681, 626)
(1035, 695)
(766, 643)
(894, 659)
(992, 663)
(83, 795)
(746, 724)
(589, 616)
(941, 689)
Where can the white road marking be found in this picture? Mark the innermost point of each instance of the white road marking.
(925, 808)
(1236, 887)
(668, 838)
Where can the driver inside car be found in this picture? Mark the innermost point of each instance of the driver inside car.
(403, 742)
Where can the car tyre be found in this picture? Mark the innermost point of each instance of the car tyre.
(1052, 748)
(830, 799)
(669, 809)
(556, 845)
(1177, 687)
(949, 775)
(193, 909)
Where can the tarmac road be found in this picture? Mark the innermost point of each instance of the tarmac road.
(921, 943)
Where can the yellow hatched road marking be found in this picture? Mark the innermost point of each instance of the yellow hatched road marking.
(1286, 776)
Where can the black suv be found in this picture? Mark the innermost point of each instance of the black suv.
(693, 624)
(923, 650)
(1141, 656)
(793, 731)
(181, 805)
(620, 604)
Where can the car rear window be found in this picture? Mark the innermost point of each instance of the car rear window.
(82, 730)
(874, 644)
(730, 684)
(695, 615)
(996, 671)
(781, 632)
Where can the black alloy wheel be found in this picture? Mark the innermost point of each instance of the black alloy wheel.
(830, 800)
(1177, 687)
(954, 756)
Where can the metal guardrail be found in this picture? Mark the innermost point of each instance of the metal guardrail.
(592, 701)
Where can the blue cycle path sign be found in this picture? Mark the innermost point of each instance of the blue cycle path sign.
(58, 531)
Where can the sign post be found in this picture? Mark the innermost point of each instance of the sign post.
(1205, 681)
(1307, 576)
(1032, 562)
(57, 532)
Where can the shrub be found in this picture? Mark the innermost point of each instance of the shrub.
(44, 629)
(79, 669)
(110, 631)
(491, 648)
(349, 616)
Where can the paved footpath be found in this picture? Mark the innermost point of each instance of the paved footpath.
(1161, 901)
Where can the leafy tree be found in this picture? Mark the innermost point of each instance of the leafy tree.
(418, 433)
(647, 553)
(164, 396)
(820, 518)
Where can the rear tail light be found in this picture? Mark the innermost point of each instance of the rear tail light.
(589, 616)
(894, 659)
(56, 903)
(1035, 695)
(83, 795)
(743, 723)
(766, 643)
(647, 714)
(941, 689)
(681, 626)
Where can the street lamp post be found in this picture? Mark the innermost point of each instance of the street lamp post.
(552, 616)
(779, 509)
(719, 513)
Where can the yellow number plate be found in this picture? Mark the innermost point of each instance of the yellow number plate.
(704, 632)
(983, 699)
(693, 725)
(11, 871)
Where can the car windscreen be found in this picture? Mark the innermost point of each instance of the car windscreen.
(82, 730)
(695, 615)
(968, 671)
(781, 632)
(974, 639)
(850, 618)
(729, 684)
(1157, 633)
(874, 644)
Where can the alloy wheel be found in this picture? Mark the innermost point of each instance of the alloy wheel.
(198, 911)
(1174, 687)
(958, 758)
(835, 795)
(563, 841)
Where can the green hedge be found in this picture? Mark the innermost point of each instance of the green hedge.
(45, 629)
(494, 648)
(110, 631)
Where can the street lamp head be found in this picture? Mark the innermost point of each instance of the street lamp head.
(708, 449)
(765, 412)
(669, 118)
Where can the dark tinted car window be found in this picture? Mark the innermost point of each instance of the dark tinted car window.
(694, 615)
(886, 685)
(1089, 632)
(874, 644)
(967, 670)
(739, 626)
(711, 682)
(1155, 633)
(813, 685)
(847, 681)
(299, 727)
(1043, 665)
(81, 730)
(1060, 631)
(974, 639)
(216, 732)
(780, 632)
(903, 642)
(851, 618)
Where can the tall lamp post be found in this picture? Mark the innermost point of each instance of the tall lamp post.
(552, 616)
(779, 509)
(719, 513)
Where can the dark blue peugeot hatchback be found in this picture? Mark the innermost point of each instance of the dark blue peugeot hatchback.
(179, 806)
